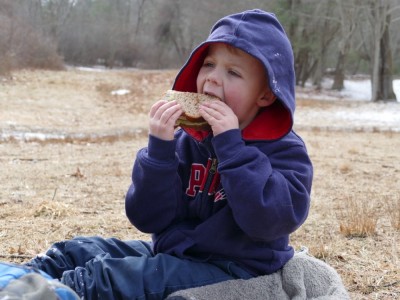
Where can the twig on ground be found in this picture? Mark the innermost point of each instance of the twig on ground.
(12, 256)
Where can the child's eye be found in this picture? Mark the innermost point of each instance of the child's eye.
(208, 64)
(234, 73)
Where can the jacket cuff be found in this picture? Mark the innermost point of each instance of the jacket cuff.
(160, 149)
(227, 143)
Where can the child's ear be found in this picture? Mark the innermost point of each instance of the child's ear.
(266, 99)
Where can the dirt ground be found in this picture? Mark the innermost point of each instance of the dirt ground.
(68, 140)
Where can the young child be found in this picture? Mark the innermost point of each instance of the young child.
(219, 204)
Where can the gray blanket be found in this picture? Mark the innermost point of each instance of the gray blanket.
(303, 277)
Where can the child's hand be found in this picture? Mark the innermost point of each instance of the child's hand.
(220, 116)
(163, 115)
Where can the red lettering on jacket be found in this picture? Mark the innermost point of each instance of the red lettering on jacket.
(198, 179)
(197, 174)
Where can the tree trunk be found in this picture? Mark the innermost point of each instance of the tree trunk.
(377, 10)
(386, 93)
(381, 83)
(338, 80)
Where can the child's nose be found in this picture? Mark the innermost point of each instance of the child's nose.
(214, 77)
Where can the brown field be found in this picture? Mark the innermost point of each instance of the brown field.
(67, 146)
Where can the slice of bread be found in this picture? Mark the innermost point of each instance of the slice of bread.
(190, 102)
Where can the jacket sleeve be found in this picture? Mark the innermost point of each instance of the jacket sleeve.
(267, 186)
(152, 199)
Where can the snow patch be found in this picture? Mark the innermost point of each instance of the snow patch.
(120, 92)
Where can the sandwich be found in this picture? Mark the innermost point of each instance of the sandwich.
(190, 103)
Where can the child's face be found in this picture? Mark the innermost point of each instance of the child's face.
(237, 78)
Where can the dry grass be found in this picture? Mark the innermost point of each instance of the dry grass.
(354, 202)
(393, 211)
(359, 218)
(60, 189)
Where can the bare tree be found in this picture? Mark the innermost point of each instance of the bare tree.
(21, 43)
(312, 30)
(175, 29)
(379, 16)
(326, 34)
(299, 34)
(348, 19)
(55, 13)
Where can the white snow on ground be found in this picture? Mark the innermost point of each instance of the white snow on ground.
(360, 89)
(351, 108)
(357, 90)
(90, 69)
(120, 92)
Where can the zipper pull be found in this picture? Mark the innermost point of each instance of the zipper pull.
(214, 164)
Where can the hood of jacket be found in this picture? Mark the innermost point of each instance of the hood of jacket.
(260, 34)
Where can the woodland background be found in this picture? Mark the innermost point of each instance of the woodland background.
(336, 38)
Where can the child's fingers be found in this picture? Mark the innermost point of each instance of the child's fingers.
(154, 108)
(170, 114)
(158, 109)
(209, 114)
(220, 116)
(175, 116)
(216, 109)
(219, 106)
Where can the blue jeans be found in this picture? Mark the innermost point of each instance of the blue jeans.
(98, 268)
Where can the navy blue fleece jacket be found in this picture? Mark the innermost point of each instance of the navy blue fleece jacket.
(236, 196)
